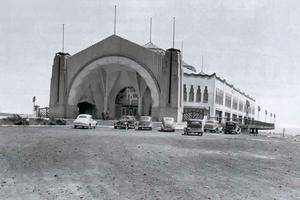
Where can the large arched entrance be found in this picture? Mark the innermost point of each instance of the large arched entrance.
(86, 108)
(105, 80)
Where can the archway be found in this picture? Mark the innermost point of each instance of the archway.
(86, 108)
(107, 63)
(121, 61)
(126, 102)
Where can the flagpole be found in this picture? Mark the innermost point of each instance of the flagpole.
(173, 32)
(115, 20)
(150, 29)
(63, 38)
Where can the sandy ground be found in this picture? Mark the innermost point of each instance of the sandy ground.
(63, 163)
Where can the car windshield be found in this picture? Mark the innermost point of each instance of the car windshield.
(145, 118)
(230, 124)
(168, 119)
(82, 116)
(126, 117)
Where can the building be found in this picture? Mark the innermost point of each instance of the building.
(214, 97)
(119, 77)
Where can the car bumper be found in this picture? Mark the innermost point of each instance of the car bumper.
(194, 130)
(80, 124)
(167, 128)
(145, 127)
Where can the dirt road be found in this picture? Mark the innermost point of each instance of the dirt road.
(63, 163)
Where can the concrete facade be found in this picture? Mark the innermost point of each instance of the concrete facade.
(95, 76)
(218, 109)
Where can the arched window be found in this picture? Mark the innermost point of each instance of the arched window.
(184, 93)
(191, 94)
(198, 94)
(205, 95)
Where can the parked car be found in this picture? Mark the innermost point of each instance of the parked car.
(168, 124)
(145, 123)
(127, 121)
(84, 121)
(232, 128)
(212, 126)
(194, 126)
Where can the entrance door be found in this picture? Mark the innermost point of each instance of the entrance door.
(126, 102)
(132, 110)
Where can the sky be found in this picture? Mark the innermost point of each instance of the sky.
(253, 44)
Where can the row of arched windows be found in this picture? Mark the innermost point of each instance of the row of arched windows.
(192, 94)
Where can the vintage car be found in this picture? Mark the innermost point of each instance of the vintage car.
(84, 121)
(212, 126)
(127, 122)
(168, 124)
(145, 123)
(194, 126)
(232, 128)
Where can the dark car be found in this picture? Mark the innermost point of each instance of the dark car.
(232, 128)
(194, 126)
(127, 121)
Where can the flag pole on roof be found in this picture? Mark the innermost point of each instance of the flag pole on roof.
(150, 39)
(63, 38)
(181, 48)
(173, 32)
(115, 20)
(202, 65)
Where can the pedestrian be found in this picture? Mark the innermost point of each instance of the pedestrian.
(106, 115)
(103, 116)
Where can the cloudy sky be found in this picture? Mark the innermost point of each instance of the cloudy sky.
(254, 44)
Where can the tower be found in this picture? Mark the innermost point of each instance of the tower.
(171, 104)
(58, 85)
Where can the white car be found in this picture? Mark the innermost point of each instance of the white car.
(168, 124)
(145, 123)
(84, 121)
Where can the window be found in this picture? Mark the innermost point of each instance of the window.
(219, 96)
(247, 107)
(198, 94)
(205, 95)
(241, 105)
(228, 100)
(227, 116)
(218, 116)
(234, 118)
(235, 103)
(240, 119)
(191, 94)
(184, 93)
